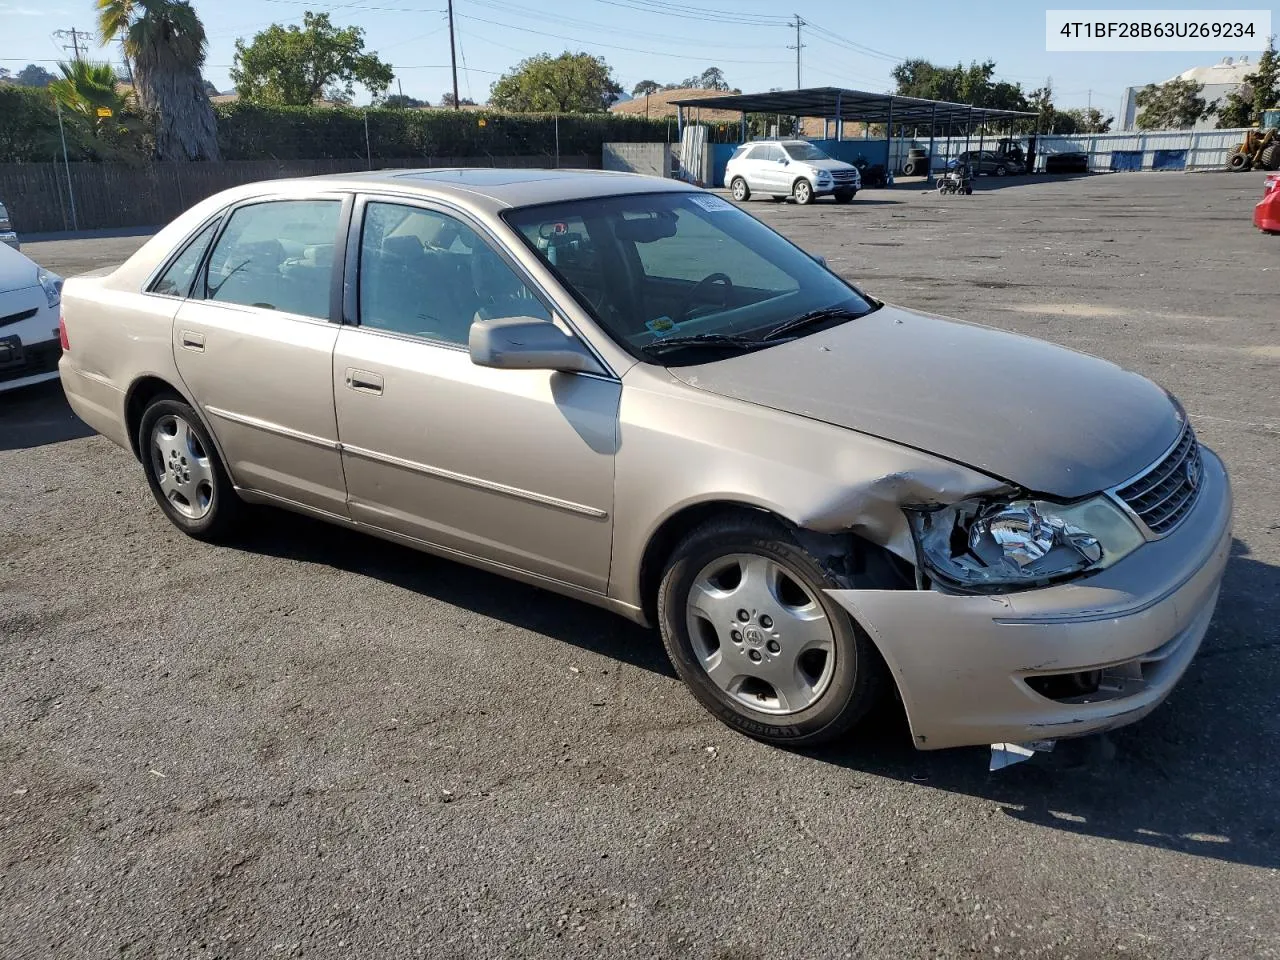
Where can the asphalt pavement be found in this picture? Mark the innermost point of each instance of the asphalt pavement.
(319, 744)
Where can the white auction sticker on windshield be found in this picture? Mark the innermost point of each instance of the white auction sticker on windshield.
(710, 202)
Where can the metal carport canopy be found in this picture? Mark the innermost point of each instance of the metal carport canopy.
(858, 105)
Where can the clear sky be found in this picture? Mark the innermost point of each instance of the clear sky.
(854, 43)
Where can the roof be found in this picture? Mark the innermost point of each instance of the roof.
(852, 105)
(662, 104)
(512, 188)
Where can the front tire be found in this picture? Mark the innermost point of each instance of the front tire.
(803, 192)
(741, 192)
(745, 619)
(185, 473)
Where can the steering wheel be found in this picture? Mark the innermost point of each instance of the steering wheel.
(700, 287)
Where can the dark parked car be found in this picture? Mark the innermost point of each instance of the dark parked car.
(984, 161)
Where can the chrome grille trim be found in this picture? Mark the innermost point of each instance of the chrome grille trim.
(1161, 496)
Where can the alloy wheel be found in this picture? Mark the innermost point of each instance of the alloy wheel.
(760, 635)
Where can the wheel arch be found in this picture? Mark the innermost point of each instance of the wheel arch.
(143, 392)
(847, 557)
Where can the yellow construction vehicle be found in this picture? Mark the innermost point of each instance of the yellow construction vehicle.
(1260, 149)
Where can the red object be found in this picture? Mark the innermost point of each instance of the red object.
(62, 334)
(1266, 215)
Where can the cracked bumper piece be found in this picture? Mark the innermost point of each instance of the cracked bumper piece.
(1061, 661)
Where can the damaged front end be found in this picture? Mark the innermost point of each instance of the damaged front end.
(1025, 626)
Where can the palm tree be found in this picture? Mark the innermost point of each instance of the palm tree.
(97, 106)
(165, 43)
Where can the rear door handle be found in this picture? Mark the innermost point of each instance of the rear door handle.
(193, 341)
(362, 381)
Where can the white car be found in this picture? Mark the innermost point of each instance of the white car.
(30, 342)
(789, 168)
(7, 236)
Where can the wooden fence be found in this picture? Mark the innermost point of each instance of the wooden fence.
(39, 196)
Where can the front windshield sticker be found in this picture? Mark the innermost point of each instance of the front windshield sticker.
(711, 203)
(661, 325)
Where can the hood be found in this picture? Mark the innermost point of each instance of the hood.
(17, 272)
(1053, 421)
(827, 164)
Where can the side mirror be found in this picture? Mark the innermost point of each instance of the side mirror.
(526, 343)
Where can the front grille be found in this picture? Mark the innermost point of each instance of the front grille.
(19, 317)
(843, 176)
(1165, 494)
(35, 359)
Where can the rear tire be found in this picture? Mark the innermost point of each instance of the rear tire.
(1269, 158)
(798, 671)
(802, 190)
(185, 473)
(1001, 170)
(741, 192)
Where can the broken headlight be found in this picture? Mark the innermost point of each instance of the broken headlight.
(981, 544)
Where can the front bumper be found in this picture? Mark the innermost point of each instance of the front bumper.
(962, 663)
(1266, 212)
(825, 188)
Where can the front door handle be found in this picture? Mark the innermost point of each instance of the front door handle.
(362, 381)
(193, 341)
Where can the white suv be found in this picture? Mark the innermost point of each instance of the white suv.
(789, 168)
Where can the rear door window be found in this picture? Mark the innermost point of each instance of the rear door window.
(277, 255)
(176, 281)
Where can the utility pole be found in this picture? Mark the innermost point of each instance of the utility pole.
(453, 59)
(798, 46)
(75, 37)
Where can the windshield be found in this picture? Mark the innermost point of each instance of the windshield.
(655, 266)
(804, 151)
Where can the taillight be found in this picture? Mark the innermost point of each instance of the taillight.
(62, 333)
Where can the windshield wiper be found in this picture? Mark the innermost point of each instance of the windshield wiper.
(659, 347)
(811, 318)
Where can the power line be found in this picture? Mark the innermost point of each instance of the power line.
(611, 46)
(577, 23)
(704, 14)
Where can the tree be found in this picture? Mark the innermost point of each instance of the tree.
(401, 101)
(1260, 91)
(569, 83)
(93, 103)
(1170, 106)
(33, 75)
(644, 88)
(711, 78)
(446, 100)
(210, 89)
(296, 66)
(165, 42)
(1084, 120)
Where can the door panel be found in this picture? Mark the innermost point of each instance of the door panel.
(514, 466)
(265, 383)
(255, 347)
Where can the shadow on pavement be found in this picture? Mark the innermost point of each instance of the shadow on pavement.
(1196, 776)
(34, 416)
(282, 534)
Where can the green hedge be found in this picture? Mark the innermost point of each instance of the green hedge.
(28, 126)
(248, 132)
(29, 132)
